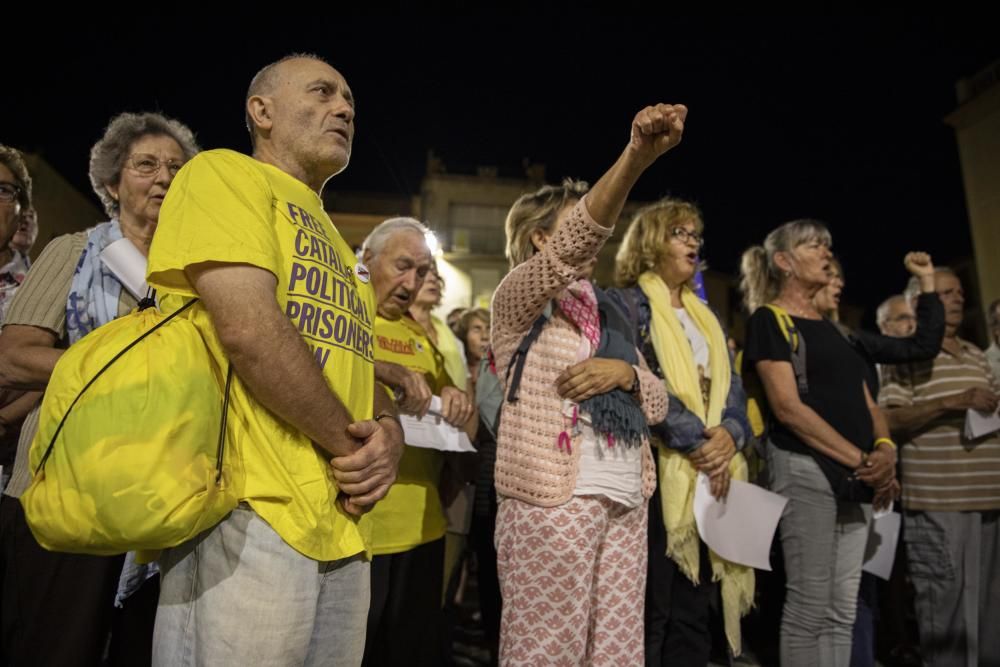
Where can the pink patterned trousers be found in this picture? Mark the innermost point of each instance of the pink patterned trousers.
(573, 580)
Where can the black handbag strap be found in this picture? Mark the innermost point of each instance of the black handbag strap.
(516, 365)
(221, 448)
(145, 303)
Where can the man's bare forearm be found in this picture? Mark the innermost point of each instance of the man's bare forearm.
(383, 401)
(270, 357)
(388, 374)
(269, 370)
(910, 418)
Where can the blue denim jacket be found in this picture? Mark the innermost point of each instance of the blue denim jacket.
(682, 430)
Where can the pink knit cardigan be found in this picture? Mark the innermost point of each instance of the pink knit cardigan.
(530, 466)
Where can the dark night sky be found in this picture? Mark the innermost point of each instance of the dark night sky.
(836, 118)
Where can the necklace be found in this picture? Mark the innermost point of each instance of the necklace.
(798, 312)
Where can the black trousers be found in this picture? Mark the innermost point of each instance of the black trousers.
(132, 628)
(55, 608)
(482, 535)
(405, 618)
(677, 612)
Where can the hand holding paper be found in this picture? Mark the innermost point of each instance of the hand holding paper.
(979, 423)
(432, 432)
(740, 528)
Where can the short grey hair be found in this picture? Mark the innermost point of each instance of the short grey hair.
(912, 290)
(379, 236)
(263, 82)
(882, 313)
(108, 155)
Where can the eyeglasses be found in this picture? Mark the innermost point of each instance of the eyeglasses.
(903, 318)
(9, 192)
(684, 236)
(148, 165)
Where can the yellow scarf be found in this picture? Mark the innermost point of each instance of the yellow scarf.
(677, 477)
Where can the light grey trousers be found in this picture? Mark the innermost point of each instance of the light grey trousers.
(954, 560)
(824, 545)
(239, 595)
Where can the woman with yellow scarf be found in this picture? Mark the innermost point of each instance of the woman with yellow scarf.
(684, 343)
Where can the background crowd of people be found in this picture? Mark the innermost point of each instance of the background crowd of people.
(594, 410)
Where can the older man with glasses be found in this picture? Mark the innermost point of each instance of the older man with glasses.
(15, 200)
(895, 317)
(951, 491)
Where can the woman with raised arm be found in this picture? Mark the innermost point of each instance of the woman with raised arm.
(573, 469)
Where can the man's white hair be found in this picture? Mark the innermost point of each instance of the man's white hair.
(912, 290)
(378, 237)
(882, 314)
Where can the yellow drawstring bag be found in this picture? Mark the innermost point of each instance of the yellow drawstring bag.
(131, 439)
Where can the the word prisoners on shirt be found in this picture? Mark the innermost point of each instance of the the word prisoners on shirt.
(323, 301)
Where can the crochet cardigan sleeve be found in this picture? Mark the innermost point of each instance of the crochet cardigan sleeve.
(652, 393)
(522, 295)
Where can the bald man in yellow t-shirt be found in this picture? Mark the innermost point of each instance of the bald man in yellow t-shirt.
(284, 579)
(408, 525)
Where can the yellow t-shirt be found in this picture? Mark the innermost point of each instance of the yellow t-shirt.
(228, 207)
(454, 358)
(411, 513)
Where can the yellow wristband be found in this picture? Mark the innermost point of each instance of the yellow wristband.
(885, 441)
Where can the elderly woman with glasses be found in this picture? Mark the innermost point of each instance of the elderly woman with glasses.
(59, 608)
(684, 343)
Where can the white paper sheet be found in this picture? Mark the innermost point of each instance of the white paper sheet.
(740, 528)
(433, 432)
(880, 552)
(978, 424)
(129, 266)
